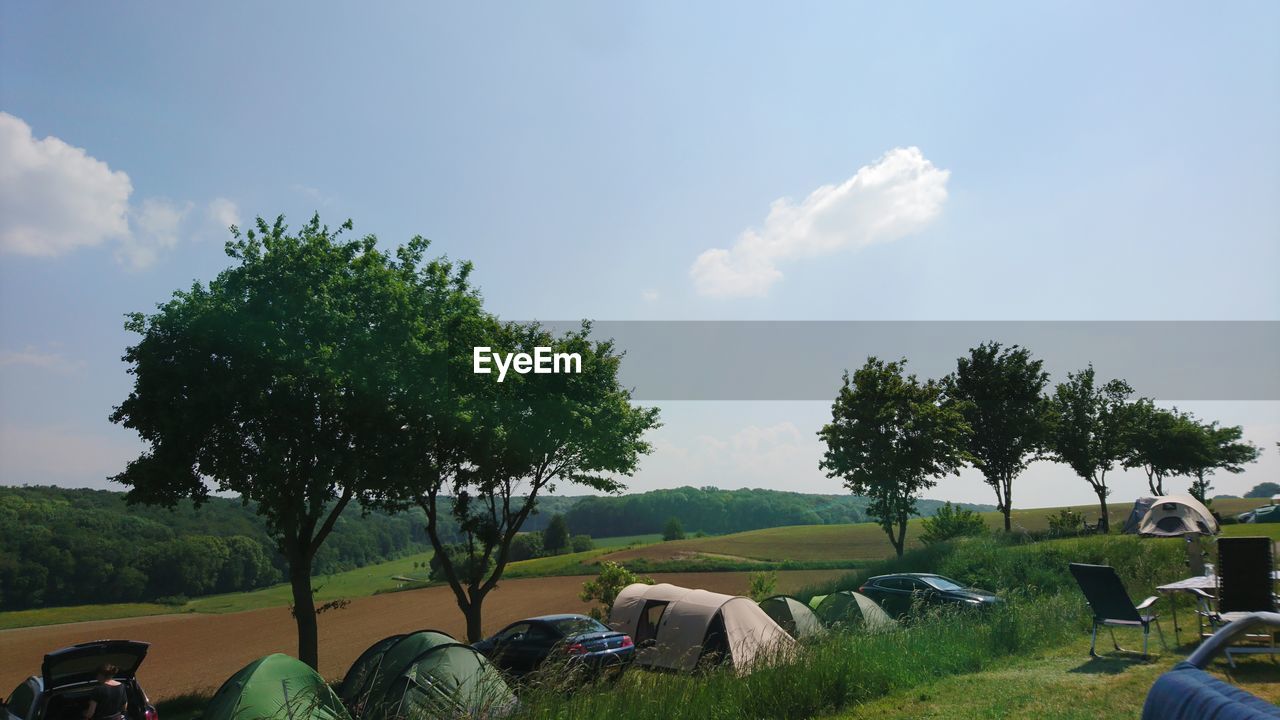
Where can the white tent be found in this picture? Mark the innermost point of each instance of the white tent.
(1177, 515)
(687, 625)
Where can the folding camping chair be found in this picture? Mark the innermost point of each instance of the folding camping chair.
(1112, 607)
(1245, 585)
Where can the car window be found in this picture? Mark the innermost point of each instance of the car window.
(19, 702)
(895, 584)
(569, 627)
(514, 630)
(941, 583)
(540, 631)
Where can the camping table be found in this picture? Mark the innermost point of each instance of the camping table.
(1195, 582)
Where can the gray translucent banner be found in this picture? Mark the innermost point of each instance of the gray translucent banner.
(803, 360)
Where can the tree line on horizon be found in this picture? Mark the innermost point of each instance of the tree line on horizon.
(892, 435)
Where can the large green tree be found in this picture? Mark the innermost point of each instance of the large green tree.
(273, 382)
(1091, 430)
(889, 438)
(484, 451)
(1000, 393)
(1161, 442)
(555, 537)
(1218, 448)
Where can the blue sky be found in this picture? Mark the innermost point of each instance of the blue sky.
(1067, 161)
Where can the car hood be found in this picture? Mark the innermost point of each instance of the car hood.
(80, 663)
(974, 594)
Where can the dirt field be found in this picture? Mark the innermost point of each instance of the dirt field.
(194, 652)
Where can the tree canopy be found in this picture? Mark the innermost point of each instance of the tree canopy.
(889, 438)
(273, 382)
(999, 392)
(1091, 430)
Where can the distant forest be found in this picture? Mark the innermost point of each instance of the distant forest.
(63, 546)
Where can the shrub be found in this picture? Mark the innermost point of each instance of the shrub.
(673, 530)
(951, 522)
(604, 589)
(464, 564)
(581, 543)
(555, 538)
(1066, 523)
(525, 546)
(764, 583)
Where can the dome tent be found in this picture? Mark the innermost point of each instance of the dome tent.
(678, 628)
(1177, 515)
(276, 686)
(425, 674)
(847, 607)
(792, 616)
(1139, 511)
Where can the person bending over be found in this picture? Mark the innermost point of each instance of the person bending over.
(108, 700)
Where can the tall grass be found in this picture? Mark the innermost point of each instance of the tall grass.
(833, 672)
(1007, 566)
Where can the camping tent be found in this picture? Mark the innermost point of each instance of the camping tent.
(850, 608)
(688, 626)
(1139, 511)
(792, 615)
(276, 686)
(424, 674)
(1176, 515)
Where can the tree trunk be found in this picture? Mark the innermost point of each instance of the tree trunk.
(475, 629)
(304, 609)
(900, 543)
(1008, 506)
(1103, 525)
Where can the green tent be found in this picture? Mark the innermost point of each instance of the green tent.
(276, 686)
(424, 675)
(850, 608)
(792, 615)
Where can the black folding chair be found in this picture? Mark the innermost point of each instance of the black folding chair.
(1112, 607)
(1245, 585)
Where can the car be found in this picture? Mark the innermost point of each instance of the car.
(523, 646)
(68, 676)
(895, 593)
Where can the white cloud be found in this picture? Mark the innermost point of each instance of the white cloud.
(33, 358)
(649, 295)
(159, 224)
(55, 198)
(899, 194)
(223, 213)
(63, 455)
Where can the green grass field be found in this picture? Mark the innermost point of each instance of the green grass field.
(867, 541)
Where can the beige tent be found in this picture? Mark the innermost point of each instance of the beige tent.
(675, 628)
(1177, 515)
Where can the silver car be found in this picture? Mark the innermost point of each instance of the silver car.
(68, 676)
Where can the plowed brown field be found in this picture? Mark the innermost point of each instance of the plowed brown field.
(196, 652)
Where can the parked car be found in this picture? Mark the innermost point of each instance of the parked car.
(523, 646)
(67, 677)
(895, 593)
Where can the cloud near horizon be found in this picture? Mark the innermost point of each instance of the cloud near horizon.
(56, 198)
(899, 194)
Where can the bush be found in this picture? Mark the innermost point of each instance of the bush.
(951, 522)
(464, 564)
(555, 538)
(1066, 523)
(604, 589)
(581, 543)
(525, 546)
(764, 584)
(673, 530)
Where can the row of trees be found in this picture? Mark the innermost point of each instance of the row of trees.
(892, 435)
(61, 546)
(318, 373)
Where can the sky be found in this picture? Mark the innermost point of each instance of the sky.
(641, 161)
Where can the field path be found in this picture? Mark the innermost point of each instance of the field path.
(195, 652)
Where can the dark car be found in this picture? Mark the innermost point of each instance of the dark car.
(523, 646)
(67, 677)
(895, 593)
